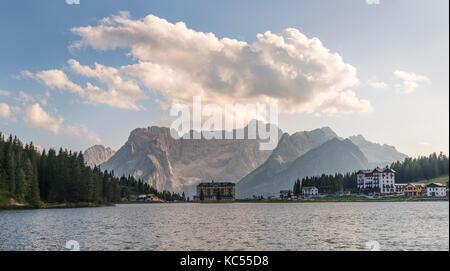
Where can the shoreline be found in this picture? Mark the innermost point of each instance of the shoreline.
(90, 205)
(55, 206)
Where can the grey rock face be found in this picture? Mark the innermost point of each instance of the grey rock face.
(334, 156)
(154, 156)
(289, 148)
(377, 154)
(98, 154)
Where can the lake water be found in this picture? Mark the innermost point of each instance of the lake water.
(236, 226)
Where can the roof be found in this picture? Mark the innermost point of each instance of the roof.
(309, 187)
(417, 185)
(436, 185)
(376, 170)
(217, 184)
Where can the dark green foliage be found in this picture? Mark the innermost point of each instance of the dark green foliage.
(297, 188)
(414, 169)
(63, 177)
(410, 170)
(218, 196)
(202, 195)
(328, 183)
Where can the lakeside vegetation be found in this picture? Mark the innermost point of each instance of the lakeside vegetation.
(344, 199)
(441, 179)
(424, 169)
(29, 179)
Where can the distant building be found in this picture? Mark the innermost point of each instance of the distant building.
(215, 191)
(399, 188)
(284, 194)
(152, 197)
(376, 181)
(327, 189)
(436, 190)
(310, 191)
(414, 190)
(149, 197)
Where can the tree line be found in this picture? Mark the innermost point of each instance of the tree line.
(33, 177)
(414, 169)
(327, 183)
(409, 170)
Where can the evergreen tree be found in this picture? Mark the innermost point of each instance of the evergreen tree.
(202, 195)
(21, 187)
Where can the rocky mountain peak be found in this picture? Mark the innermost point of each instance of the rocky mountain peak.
(97, 155)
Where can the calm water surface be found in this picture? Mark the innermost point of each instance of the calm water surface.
(237, 226)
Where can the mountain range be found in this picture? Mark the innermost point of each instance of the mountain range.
(154, 156)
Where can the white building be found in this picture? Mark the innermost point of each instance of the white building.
(399, 187)
(310, 191)
(377, 181)
(436, 190)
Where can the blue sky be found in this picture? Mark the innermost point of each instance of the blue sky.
(407, 36)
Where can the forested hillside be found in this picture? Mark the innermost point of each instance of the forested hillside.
(31, 177)
(413, 169)
(407, 171)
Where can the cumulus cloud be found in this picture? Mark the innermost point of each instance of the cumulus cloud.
(376, 84)
(122, 92)
(6, 112)
(37, 117)
(410, 81)
(55, 79)
(288, 68)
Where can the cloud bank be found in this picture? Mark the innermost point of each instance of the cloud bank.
(288, 68)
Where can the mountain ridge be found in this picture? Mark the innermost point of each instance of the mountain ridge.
(334, 156)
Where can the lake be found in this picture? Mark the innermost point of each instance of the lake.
(235, 226)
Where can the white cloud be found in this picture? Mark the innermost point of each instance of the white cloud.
(410, 81)
(6, 112)
(373, 2)
(376, 84)
(287, 68)
(122, 92)
(4, 92)
(55, 79)
(37, 117)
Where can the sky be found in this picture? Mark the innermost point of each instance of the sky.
(77, 73)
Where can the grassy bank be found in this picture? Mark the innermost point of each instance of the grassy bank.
(7, 202)
(442, 180)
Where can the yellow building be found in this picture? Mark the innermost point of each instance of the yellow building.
(415, 190)
(215, 191)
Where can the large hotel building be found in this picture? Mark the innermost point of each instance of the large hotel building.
(378, 181)
(215, 191)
